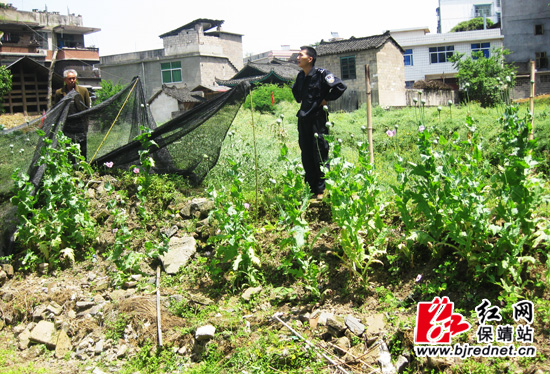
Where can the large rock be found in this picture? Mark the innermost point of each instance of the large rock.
(384, 360)
(335, 326)
(44, 333)
(197, 208)
(23, 339)
(247, 295)
(375, 326)
(354, 325)
(205, 333)
(63, 345)
(179, 252)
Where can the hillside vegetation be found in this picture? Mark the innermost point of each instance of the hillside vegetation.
(455, 205)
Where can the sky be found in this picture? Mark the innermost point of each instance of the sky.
(130, 26)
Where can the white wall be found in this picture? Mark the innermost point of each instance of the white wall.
(422, 68)
(162, 108)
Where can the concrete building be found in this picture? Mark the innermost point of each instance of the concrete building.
(451, 12)
(347, 59)
(526, 30)
(195, 54)
(47, 38)
(283, 54)
(426, 55)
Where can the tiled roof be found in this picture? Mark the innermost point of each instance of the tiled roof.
(270, 77)
(288, 70)
(183, 95)
(353, 44)
(207, 25)
(276, 71)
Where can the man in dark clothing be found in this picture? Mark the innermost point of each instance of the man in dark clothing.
(313, 88)
(77, 130)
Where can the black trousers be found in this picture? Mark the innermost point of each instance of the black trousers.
(314, 149)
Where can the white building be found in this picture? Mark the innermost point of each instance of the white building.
(427, 55)
(452, 12)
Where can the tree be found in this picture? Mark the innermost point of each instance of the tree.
(487, 80)
(108, 89)
(266, 95)
(5, 84)
(473, 24)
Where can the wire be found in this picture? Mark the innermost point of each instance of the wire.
(118, 114)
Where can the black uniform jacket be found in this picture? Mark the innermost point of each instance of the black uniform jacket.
(311, 90)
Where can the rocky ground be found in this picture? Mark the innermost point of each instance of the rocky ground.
(65, 321)
(69, 321)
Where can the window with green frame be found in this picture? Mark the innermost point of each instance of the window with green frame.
(347, 67)
(171, 72)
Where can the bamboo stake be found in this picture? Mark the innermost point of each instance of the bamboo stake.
(276, 316)
(159, 330)
(532, 99)
(255, 152)
(369, 113)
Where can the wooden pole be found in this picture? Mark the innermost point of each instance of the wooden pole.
(369, 113)
(532, 99)
(50, 80)
(256, 208)
(159, 329)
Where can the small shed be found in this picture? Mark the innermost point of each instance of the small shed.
(170, 101)
(29, 94)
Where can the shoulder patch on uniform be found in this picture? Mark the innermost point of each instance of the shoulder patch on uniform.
(330, 78)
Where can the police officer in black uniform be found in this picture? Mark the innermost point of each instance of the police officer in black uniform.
(313, 88)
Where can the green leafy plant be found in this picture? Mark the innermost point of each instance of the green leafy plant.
(55, 223)
(5, 83)
(236, 243)
(489, 79)
(477, 23)
(293, 200)
(265, 94)
(488, 222)
(354, 197)
(108, 89)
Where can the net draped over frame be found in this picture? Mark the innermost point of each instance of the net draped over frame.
(188, 144)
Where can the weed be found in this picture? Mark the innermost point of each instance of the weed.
(55, 222)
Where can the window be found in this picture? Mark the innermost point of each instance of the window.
(498, 3)
(409, 84)
(441, 54)
(481, 47)
(544, 78)
(9, 37)
(482, 10)
(347, 65)
(171, 72)
(541, 61)
(539, 29)
(408, 57)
